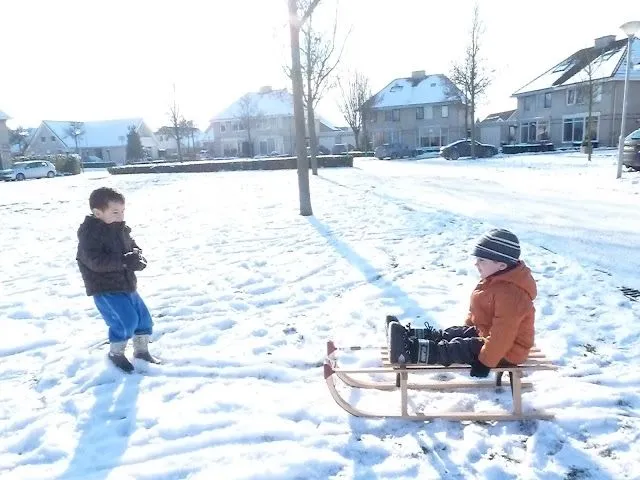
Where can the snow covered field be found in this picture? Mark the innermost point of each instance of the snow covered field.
(245, 293)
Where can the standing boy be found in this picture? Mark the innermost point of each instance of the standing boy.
(108, 258)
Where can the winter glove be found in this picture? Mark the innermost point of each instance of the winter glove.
(134, 261)
(479, 369)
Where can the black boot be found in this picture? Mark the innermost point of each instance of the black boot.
(404, 349)
(388, 320)
(426, 333)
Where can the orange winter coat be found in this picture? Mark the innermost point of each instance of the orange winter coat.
(502, 311)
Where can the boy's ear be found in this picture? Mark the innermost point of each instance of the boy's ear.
(502, 266)
(96, 212)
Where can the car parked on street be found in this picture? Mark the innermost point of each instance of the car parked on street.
(392, 150)
(462, 148)
(631, 150)
(30, 169)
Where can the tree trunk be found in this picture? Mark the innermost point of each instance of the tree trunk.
(466, 118)
(298, 111)
(356, 134)
(473, 130)
(313, 138)
(365, 132)
(179, 148)
(311, 120)
(589, 143)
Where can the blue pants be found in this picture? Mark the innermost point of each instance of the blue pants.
(125, 314)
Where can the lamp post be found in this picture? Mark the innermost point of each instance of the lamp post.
(630, 29)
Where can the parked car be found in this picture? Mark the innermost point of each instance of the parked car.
(339, 149)
(392, 150)
(631, 150)
(462, 148)
(30, 169)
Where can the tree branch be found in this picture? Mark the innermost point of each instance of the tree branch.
(309, 11)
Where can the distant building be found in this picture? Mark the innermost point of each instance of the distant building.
(106, 140)
(271, 126)
(418, 111)
(554, 106)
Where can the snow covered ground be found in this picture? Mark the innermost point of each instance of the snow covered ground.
(245, 293)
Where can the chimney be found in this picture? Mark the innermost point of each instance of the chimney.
(602, 42)
(418, 74)
(266, 89)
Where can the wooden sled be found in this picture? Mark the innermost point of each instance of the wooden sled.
(536, 361)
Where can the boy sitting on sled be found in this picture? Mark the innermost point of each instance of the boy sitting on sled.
(499, 329)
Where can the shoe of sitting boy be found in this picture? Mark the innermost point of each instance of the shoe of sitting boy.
(425, 333)
(399, 344)
(405, 349)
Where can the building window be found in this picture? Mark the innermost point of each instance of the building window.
(43, 139)
(420, 113)
(53, 139)
(428, 112)
(571, 96)
(432, 137)
(528, 103)
(579, 95)
(542, 131)
(387, 116)
(534, 131)
(396, 115)
(562, 67)
(528, 132)
(547, 100)
(574, 129)
(445, 111)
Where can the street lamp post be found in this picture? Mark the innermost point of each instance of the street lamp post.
(630, 29)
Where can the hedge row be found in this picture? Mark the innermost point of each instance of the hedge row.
(285, 163)
(355, 154)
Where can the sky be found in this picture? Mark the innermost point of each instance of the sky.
(107, 59)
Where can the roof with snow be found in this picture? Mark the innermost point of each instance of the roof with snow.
(499, 116)
(4, 116)
(265, 103)
(421, 90)
(606, 59)
(107, 133)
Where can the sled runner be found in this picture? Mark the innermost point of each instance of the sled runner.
(536, 361)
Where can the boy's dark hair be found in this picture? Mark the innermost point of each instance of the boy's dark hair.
(101, 197)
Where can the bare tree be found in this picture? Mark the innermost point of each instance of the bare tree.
(176, 119)
(354, 105)
(297, 18)
(470, 75)
(249, 115)
(19, 137)
(591, 90)
(75, 130)
(321, 57)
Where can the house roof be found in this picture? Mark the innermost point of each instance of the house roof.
(605, 61)
(107, 133)
(402, 92)
(4, 116)
(499, 116)
(266, 103)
